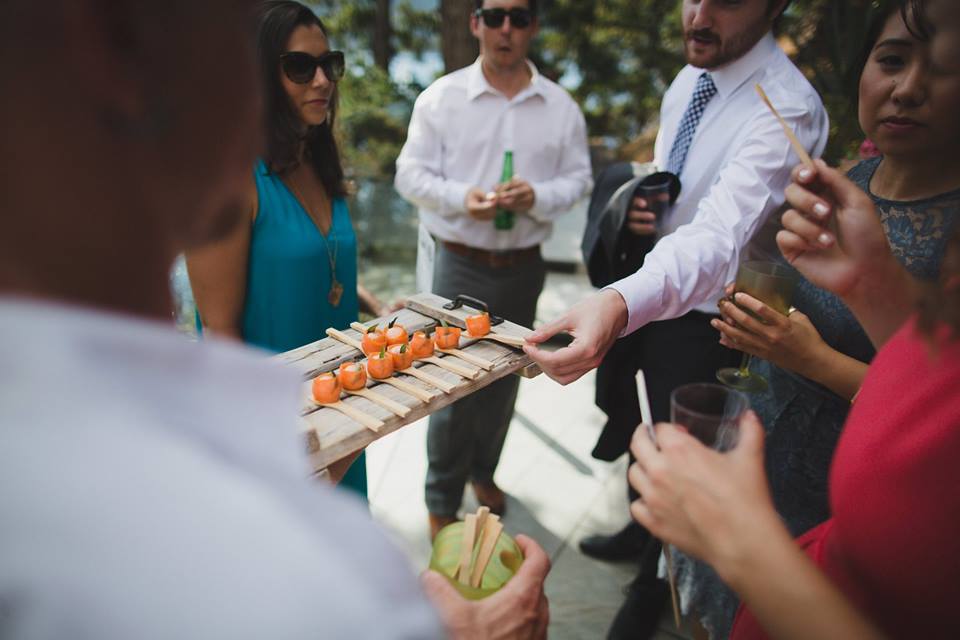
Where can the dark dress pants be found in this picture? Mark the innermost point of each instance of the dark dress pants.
(464, 440)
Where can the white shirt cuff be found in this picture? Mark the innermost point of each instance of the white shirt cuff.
(642, 293)
(539, 210)
(454, 195)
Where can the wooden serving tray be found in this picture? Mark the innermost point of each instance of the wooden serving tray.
(332, 436)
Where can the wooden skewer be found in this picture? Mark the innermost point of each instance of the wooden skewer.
(354, 414)
(385, 402)
(344, 338)
(469, 357)
(466, 548)
(647, 417)
(421, 394)
(443, 385)
(482, 514)
(488, 542)
(444, 363)
(511, 341)
(797, 147)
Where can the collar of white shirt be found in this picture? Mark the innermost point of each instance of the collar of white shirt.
(731, 77)
(477, 83)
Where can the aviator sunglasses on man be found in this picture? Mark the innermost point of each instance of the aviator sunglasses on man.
(301, 67)
(493, 18)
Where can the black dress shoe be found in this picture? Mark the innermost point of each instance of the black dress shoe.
(626, 544)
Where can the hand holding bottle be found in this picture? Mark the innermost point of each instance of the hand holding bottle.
(516, 195)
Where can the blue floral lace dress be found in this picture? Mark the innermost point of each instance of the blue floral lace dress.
(803, 419)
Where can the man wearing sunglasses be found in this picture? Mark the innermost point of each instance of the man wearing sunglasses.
(450, 168)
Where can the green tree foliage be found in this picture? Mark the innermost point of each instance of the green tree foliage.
(373, 123)
(616, 56)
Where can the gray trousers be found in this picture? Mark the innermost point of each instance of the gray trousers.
(464, 440)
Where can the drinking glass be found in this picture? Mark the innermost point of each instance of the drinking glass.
(445, 558)
(710, 412)
(771, 283)
(657, 195)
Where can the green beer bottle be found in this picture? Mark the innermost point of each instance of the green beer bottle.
(503, 221)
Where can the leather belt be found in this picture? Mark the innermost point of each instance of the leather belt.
(494, 259)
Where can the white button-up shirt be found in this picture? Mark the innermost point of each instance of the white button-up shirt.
(155, 488)
(734, 178)
(459, 131)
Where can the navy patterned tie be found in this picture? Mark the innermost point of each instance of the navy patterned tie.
(688, 126)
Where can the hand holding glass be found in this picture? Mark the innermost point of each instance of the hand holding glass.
(710, 413)
(773, 284)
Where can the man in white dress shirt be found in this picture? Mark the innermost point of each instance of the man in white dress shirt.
(450, 168)
(734, 163)
(151, 487)
(736, 167)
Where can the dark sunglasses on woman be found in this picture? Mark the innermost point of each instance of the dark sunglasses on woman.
(301, 67)
(493, 18)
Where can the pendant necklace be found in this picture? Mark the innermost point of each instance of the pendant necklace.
(336, 288)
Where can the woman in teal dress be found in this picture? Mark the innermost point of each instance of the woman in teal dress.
(280, 281)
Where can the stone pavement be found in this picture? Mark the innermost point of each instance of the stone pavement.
(557, 493)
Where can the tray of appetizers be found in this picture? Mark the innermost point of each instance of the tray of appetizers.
(369, 380)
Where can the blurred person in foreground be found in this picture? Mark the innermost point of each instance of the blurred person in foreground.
(152, 487)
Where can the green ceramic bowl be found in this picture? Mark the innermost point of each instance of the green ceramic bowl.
(445, 558)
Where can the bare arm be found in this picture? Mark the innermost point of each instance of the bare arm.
(717, 507)
(218, 276)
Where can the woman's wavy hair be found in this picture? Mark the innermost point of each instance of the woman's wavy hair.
(284, 130)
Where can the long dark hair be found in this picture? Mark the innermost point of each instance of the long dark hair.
(277, 19)
(914, 16)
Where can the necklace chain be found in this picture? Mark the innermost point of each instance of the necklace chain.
(336, 289)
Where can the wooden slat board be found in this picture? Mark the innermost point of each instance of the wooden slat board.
(332, 436)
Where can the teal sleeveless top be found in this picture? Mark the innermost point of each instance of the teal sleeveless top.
(288, 278)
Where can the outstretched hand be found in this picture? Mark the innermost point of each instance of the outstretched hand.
(788, 341)
(594, 323)
(518, 611)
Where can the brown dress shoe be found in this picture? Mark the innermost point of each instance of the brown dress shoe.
(490, 496)
(439, 522)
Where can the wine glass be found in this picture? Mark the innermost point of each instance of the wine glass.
(771, 283)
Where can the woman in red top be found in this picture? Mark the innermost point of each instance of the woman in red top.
(888, 562)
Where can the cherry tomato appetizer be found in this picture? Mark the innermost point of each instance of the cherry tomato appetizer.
(447, 337)
(402, 356)
(353, 376)
(380, 365)
(326, 388)
(396, 334)
(478, 325)
(373, 340)
(421, 345)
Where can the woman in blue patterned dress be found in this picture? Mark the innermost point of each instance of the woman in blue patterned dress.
(815, 359)
(280, 281)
